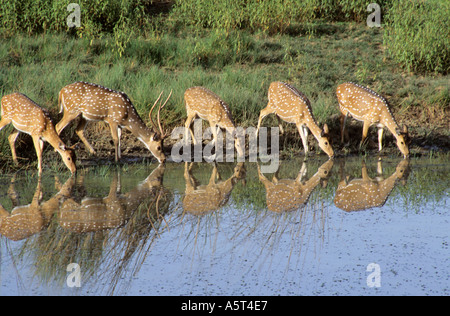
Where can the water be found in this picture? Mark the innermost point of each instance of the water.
(314, 229)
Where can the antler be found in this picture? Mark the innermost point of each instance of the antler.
(163, 135)
(151, 110)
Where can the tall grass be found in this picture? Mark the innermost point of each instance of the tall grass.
(418, 35)
(240, 69)
(269, 16)
(417, 32)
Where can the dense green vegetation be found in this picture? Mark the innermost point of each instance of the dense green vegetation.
(235, 48)
(417, 32)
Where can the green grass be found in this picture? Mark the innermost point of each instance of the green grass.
(238, 66)
(418, 35)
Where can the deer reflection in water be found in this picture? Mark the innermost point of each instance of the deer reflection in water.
(27, 220)
(91, 214)
(287, 194)
(112, 211)
(200, 199)
(364, 193)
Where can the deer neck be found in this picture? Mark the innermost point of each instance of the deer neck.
(138, 128)
(50, 207)
(313, 127)
(53, 139)
(144, 189)
(227, 186)
(390, 123)
(386, 186)
(310, 185)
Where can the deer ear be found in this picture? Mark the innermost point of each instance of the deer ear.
(62, 146)
(73, 147)
(405, 129)
(155, 137)
(325, 130)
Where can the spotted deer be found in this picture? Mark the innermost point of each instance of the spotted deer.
(93, 214)
(287, 195)
(96, 103)
(26, 220)
(200, 199)
(29, 118)
(208, 106)
(365, 105)
(364, 193)
(292, 106)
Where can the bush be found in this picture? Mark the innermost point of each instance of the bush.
(417, 35)
(416, 32)
(273, 16)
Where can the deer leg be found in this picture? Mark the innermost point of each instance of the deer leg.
(280, 126)
(364, 173)
(264, 112)
(80, 132)
(365, 132)
(214, 175)
(187, 126)
(214, 128)
(12, 193)
(38, 146)
(4, 122)
(305, 133)
(119, 136)
(263, 178)
(379, 168)
(115, 134)
(304, 137)
(190, 185)
(12, 143)
(67, 118)
(237, 141)
(343, 120)
(3, 213)
(380, 138)
(302, 173)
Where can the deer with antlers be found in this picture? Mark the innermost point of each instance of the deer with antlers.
(29, 118)
(93, 214)
(292, 106)
(96, 103)
(363, 104)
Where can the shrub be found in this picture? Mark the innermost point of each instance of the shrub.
(417, 35)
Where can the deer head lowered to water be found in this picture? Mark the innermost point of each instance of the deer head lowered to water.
(292, 106)
(93, 214)
(364, 193)
(29, 118)
(365, 105)
(283, 195)
(207, 105)
(27, 220)
(96, 103)
(200, 199)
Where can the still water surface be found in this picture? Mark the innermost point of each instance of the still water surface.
(343, 227)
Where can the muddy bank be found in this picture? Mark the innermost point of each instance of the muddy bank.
(423, 142)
